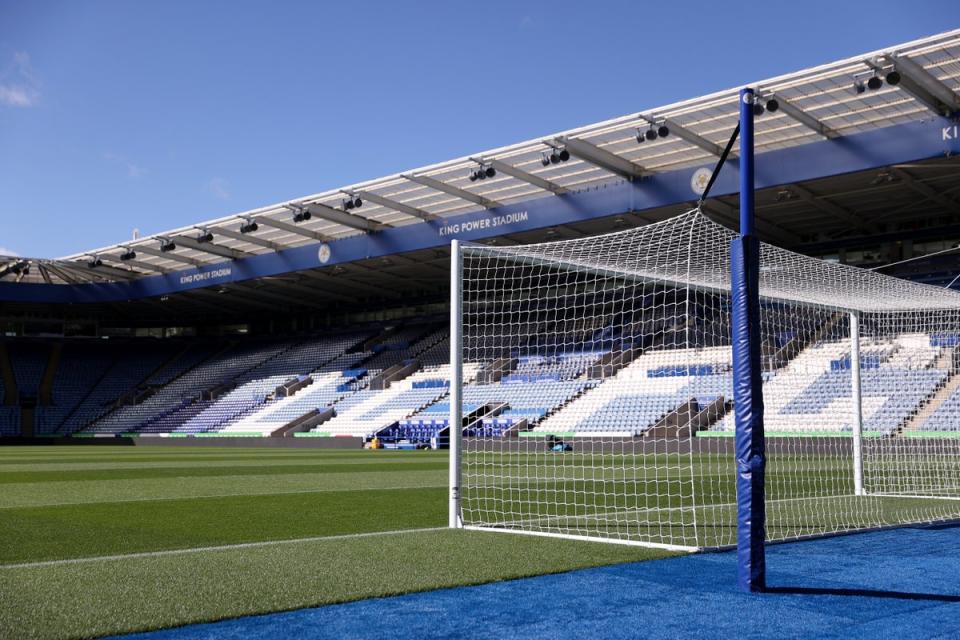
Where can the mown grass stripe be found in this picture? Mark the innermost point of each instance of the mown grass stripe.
(223, 495)
(98, 529)
(219, 547)
(249, 469)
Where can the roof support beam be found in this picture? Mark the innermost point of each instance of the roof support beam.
(349, 283)
(806, 119)
(589, 152)
(232, 296)
(923, 86)
(397, 206)
(169, 255)
(291, 228)
(689, 136)
(925, 190)
(525, 176)
(328, 213)
(245, 237)
(311, 291)
(209, 247)
(828, 207)
(463, 194)
(102, 271)
(732, 217)
(146, 266)
(263, 292)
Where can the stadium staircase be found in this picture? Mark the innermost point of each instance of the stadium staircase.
(945, 361)
(45, 395)
(687, 419)
(9, 380)
(102, 374)
(135, 396)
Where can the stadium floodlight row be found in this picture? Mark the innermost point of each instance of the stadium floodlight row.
(817, 104)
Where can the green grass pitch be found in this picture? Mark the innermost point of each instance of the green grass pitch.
(239, 531)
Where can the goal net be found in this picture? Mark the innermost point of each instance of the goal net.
(597, 391)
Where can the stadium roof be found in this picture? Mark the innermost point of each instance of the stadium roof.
(815, 104)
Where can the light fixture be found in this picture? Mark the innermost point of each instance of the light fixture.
(167, 245)
(249, 226)
(858, 86)
(205, 236)
(874, 83)
(893, 78)
(352, 202)
(95, 262)
(650, 134)
(128, 254)
(556, 156)
(663, 131)
(301, 215)
(758, 109)
(772, 105)
(486, 171)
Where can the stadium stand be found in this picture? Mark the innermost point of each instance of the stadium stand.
(260, 386)
(638, 396)
(812, 393)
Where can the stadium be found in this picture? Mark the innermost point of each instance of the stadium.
(345, 406)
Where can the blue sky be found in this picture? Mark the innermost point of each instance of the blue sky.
(151, 115)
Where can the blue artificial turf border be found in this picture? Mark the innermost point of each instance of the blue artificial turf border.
(902, 583)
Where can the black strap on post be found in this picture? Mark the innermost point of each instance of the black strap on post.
(716, 169)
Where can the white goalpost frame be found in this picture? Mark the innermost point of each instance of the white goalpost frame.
(857, 397)
(511, 483)
(456, 382)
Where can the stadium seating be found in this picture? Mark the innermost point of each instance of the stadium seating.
(812, 393)
(645, 391)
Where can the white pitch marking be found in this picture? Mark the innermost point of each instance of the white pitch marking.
(215, 495)
(222, 547)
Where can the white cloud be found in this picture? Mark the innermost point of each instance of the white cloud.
(219, 188)
(18, 83)
(132, 170)
(8, 252)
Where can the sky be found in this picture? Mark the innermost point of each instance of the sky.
(117, 116)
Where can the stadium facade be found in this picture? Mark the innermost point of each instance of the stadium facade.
(341, 295)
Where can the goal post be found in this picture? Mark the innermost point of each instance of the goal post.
(596, 392)
(747, 392)
(456, 383)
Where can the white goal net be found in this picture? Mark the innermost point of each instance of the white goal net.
(598, 403)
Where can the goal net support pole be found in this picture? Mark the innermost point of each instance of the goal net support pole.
(747, 381)
(456, 381)
(857, 407)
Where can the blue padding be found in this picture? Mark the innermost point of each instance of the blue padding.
(691, 370)
(430, 384)
(945, 340)
(867, 361)
(748, 410)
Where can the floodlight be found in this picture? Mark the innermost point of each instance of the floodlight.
(772, 105)
(663, 131)
(874, 83)
(893, 78)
